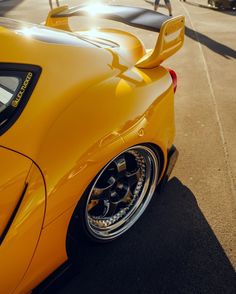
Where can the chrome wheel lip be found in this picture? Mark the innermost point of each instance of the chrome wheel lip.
(117, 229)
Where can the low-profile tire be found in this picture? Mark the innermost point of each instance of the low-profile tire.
(117, 196)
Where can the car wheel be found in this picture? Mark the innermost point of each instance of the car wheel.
(118, 196)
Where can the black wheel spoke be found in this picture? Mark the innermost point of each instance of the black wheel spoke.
(98, 207)
(102, 188)
(127, 199)
(111, 209)
(104, 195)
(133, 177)
(121, 190)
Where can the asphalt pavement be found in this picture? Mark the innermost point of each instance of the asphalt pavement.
(186, 241)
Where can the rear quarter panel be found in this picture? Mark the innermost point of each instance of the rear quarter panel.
(134, 107)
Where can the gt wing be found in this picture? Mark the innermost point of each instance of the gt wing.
(171, 30)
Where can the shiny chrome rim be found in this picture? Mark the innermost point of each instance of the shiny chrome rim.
(121, 192)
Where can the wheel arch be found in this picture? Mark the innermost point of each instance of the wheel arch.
(70, 237)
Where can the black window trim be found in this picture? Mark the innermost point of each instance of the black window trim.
(10, 69)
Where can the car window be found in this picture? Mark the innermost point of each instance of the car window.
(8, 87)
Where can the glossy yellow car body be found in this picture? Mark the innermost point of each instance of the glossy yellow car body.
(88, 105)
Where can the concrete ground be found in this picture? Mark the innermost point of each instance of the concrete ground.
(186, 241)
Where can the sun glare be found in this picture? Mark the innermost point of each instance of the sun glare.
(96, 7)
(93, 31)
(26, 31)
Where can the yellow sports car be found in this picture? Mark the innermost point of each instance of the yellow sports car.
(86, 134)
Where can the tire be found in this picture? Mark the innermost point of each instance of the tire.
(116, 198)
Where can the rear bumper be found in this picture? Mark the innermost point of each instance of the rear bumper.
(173, 154)
(172, 157)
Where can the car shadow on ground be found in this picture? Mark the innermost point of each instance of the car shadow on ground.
(7, 5)
(213, 45)
(172, 249)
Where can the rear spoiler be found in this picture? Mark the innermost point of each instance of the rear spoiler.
(171, 30)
